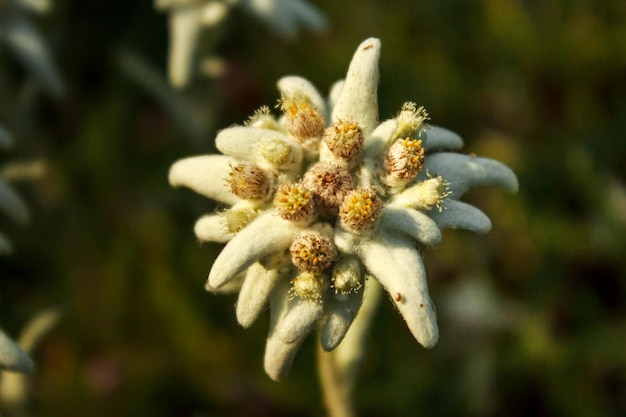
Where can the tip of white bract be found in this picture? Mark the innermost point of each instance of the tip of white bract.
(358, 100)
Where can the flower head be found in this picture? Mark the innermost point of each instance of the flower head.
(357, 198)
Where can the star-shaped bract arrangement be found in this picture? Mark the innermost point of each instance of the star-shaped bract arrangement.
(325, 200)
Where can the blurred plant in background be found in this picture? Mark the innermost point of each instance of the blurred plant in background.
(187, 18)
(537, 85)
(18, 33)
(20, 37)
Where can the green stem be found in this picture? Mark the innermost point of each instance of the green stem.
(338, 369)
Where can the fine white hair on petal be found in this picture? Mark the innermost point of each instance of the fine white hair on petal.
(206, 175)
(210, 228)
(279, 356)
(334, 93)
(373, 146)
(243, 142)
(341, 312)
(435, 137)
(378, 140)
(396, 264)
(185, 26)
(295, 321)
(255, 292)
(291, 321)
(290, 85)
(358, 101)
(266, 235)
(412, 223)
(465, 171)
(460, 215)
(231, 287)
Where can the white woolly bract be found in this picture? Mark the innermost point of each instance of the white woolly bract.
(291, 321)
(294, 85)
(206, 175)
(358, 101)
(435, 137)
(211, 228)
(463, 172)
(411, 223)
(264, 236)
(460, 215)
(341, 312)
(395, 263)
(255, 292)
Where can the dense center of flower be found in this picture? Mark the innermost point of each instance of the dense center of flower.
(330, 183)
(360, 209)
(405, 159)
(303, 120)
(312, 251)
(344, 139)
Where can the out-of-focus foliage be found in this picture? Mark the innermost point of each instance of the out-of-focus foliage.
(532, 316)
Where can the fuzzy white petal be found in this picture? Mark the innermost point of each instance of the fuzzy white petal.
(378, 140)
(279, 356)
(341, 313)
(244, 142)
(231, 287)
(412, 223)
(460, 215)
(465, 171)
(265, 235)
(359, 98)
(255, 292)
(298, 319)
(334, 94)
(12, 358)
(373, 148)
(291, 85)
(291, 321)
(396, 264)
(435, 137)
(205, 174)
(210, 228)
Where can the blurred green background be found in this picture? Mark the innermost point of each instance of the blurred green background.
(532, 315)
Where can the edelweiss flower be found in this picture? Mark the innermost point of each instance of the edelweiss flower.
(326, 196)
(188, 17)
